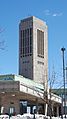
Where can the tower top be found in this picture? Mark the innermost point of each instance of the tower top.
(33, 18)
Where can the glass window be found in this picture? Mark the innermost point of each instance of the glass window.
(40, 43)
(21, 42)
(12, 110)
(27, 41)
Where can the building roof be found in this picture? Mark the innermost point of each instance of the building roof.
(23, 80)
(34, 19)
(11, 83)
(59, 91)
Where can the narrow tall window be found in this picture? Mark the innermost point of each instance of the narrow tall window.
(40, 43)
(31, 40)
(27, 42)
(21, 42)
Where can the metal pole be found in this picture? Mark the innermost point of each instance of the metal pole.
(66, 75)
(63, 49)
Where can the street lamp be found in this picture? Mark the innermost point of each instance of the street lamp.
(66, 75)
(63, 49)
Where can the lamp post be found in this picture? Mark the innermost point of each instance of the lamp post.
(66, 75)
(63, 49)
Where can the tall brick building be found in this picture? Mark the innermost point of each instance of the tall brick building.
(33, 49)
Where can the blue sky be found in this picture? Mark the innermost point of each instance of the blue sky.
(53, 12)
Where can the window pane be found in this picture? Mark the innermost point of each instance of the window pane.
(40, 43)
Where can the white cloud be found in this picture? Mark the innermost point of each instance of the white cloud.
(54, 14)
(47, 12)
(57, 14)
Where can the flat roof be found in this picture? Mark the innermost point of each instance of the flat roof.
(59, 91)
(25, 81)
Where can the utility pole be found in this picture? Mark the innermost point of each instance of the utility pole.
(63, 49)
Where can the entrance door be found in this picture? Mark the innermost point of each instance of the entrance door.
(23, 107)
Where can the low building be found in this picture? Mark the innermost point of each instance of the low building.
(60, 92)
(20, 95)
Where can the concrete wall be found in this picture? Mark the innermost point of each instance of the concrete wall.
(40, 70)
(8, 101)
